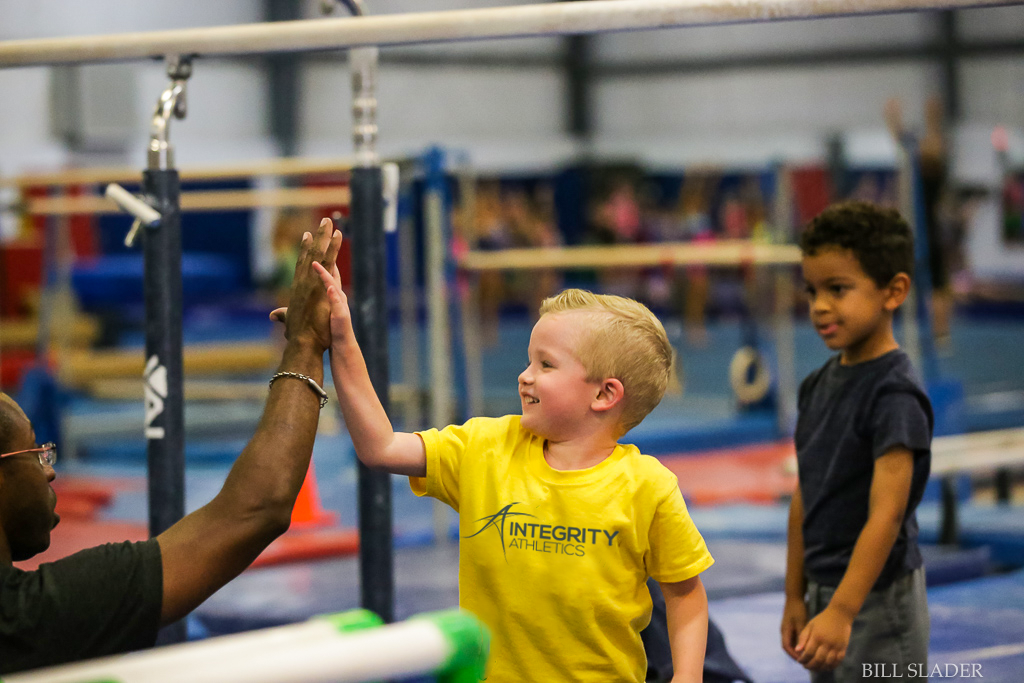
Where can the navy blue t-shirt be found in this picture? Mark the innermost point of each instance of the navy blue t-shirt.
(850, 415)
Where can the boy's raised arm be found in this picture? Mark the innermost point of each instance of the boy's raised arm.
(823, 642)
(377, 444)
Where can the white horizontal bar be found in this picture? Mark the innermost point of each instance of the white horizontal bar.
(978, 452)
(313, 652)
(556, 18)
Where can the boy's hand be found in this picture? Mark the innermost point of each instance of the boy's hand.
(307, 317)
(794, 619)
(341, 315)
(823, 641)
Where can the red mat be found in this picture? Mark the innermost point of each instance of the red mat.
(764, 473)
(81, 499)
(72, 535)
(300, 545)
(86, 497)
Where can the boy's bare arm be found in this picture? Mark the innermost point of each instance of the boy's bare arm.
(686, 606)
(823, 643)
(794, 614)
(377, 444)
(890, 491)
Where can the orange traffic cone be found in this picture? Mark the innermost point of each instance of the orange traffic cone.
(307, 511)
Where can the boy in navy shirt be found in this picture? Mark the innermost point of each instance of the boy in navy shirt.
(856, 606)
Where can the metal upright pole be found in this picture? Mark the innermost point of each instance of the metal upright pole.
(917, 329)
(785, 333)
(165, 421)
(918, 217)
(436, 239)
(370, 320)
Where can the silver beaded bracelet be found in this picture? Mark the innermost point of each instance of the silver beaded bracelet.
(319, 390)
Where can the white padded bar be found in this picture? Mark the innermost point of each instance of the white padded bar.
(557, 18)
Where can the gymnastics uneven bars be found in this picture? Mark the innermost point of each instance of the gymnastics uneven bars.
(281, 167)
(200, 200)
(589, 16)
(196, 200)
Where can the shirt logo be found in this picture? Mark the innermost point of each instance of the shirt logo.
(497, 520)
(561, 539)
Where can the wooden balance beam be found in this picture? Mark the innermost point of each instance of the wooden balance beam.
(24, 333)
(725, 253)
(214, 390)
(287, 166)
(994, 452)
(80, 368)
(978, 452)
(205, 200)
(210, 200)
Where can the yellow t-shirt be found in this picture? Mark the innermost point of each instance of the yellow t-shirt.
(554, 562)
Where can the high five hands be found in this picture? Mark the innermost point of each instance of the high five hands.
(310, 316)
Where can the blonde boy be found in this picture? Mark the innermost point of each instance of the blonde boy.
(560, 525)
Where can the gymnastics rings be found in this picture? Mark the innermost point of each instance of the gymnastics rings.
(749, 376)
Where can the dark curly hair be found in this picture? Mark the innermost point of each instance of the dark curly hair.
(879, 238)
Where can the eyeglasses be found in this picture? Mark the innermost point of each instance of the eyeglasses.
(47, 454)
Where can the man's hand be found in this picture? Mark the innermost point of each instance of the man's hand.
(794, 619)
(824, 640)
(307, 318)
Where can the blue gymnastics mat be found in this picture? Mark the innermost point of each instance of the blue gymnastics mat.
(272, 596)
(767, 524)
(1000, 528)
(284, 594)
(674, 431)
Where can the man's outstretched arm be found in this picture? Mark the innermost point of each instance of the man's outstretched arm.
(212, 545)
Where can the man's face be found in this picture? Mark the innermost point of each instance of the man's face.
(27, 500)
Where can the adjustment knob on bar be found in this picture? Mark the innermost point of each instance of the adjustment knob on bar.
(143, 212)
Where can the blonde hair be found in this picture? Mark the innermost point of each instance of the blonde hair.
(625, 341)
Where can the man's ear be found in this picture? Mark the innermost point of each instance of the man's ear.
(609, 395)
(897, 291)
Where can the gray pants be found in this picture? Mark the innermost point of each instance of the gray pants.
(889, 641)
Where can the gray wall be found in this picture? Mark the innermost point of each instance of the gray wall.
(504, 103)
